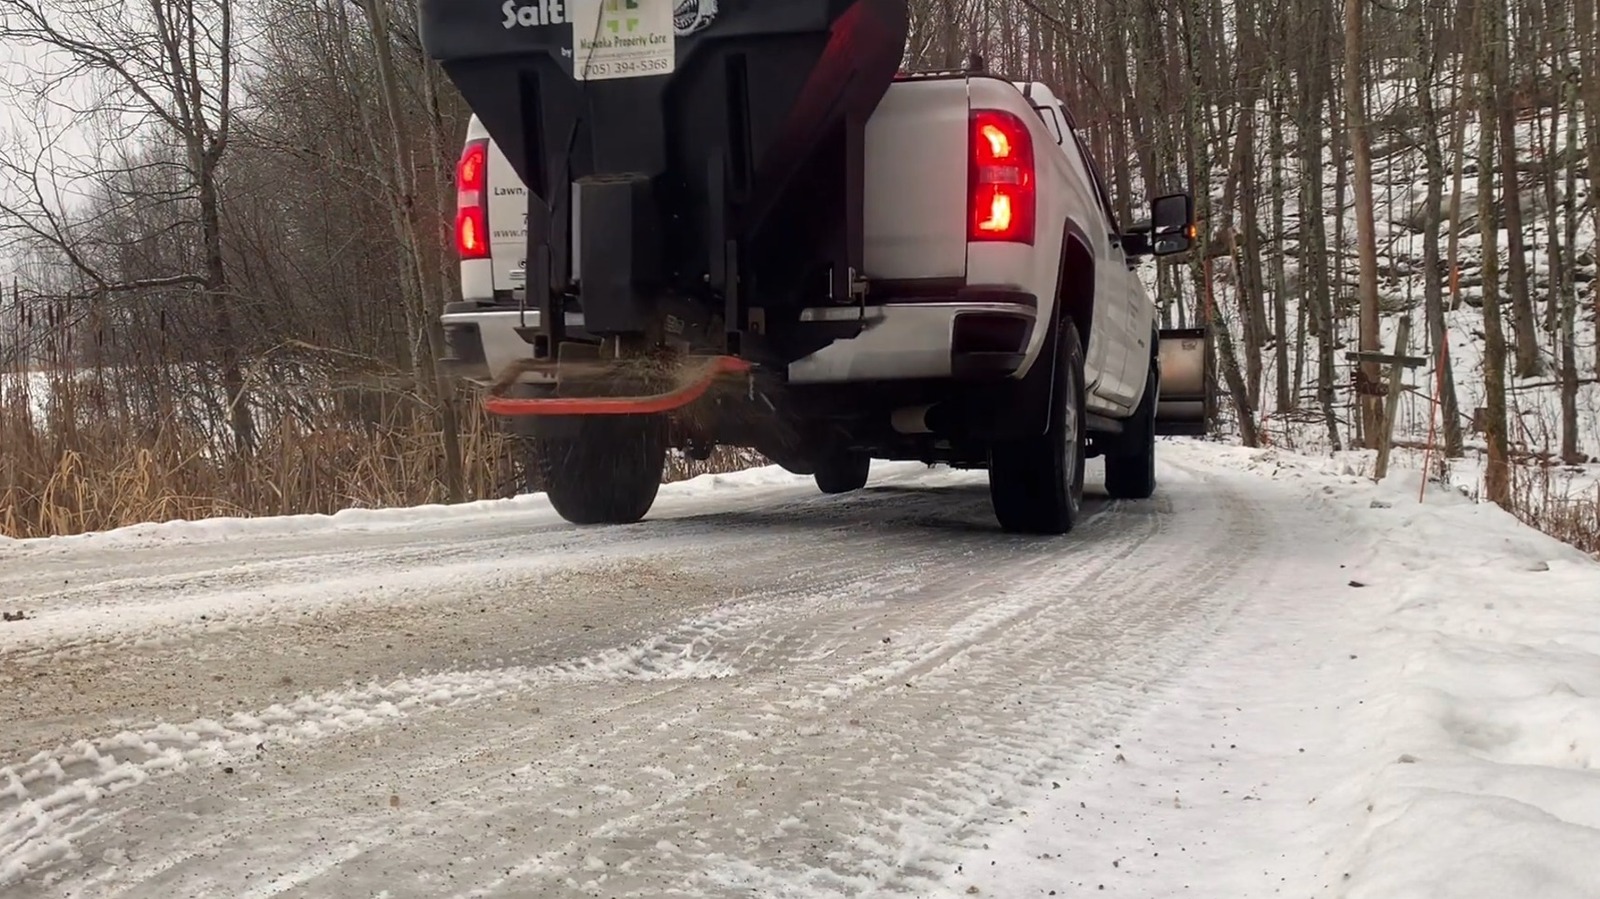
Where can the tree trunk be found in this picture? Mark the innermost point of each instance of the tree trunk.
(409, 229)
(240, 415)
(1338, 280)
(1588, 31)
(1458, 141)
(1522, 318)
(1254, 300)
(1366, 228)
(1228, 360)
(1317, 292)
(1433, 290)
(1287, 398)
(1552, 198)
(1497, 476)
(1569, 287)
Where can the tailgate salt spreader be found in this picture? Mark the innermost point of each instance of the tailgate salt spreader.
(739, 173)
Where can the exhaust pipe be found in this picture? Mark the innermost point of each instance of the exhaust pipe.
(911, 420)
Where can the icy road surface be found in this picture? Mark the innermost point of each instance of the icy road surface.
(762, 691)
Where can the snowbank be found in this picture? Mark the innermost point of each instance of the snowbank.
(1416, 714)
(212, 530)
(1482, 731)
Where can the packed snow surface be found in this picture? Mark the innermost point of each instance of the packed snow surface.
(1275, 678)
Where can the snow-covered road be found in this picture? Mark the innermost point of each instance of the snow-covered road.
(759, 691)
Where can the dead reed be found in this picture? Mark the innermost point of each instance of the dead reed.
(73, 460)
(1542, 499)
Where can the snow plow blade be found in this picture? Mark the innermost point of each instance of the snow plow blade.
(1185, 403)
(691, 388)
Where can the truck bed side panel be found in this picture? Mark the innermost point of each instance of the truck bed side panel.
(916, 182)
(1032, 268)
(1066, 195)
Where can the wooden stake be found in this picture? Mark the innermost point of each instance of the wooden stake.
(1402, 341)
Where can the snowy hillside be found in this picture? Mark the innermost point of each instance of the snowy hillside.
(1400, 192)
(1563, 499)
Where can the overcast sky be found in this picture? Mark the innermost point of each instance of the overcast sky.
(28, 123)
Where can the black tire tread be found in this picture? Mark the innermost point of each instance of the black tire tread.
(1027, 479)
(608, 473)
(1131, 469)
(843, 472)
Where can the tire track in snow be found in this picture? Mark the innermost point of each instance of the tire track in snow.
(45, 800)
(958, 624)
(164, 607)
(1116, 654)
(564, 807)
(885, 774)
(226, 655)
(57, 791)
(804, 598)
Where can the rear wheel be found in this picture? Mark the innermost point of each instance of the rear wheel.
(1036, 483)
(607, 472)
(843, 472)
(1131, 469)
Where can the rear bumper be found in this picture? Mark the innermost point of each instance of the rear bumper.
(483, 341)
(980, 335)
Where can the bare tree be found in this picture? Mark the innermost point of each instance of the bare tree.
(1429, 47)
(411, 233)
(1366, 229)
(1587, 28)
(1528, 363)
(1497, 476)
(164, 70)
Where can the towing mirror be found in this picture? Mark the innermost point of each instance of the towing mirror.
(1172, 224)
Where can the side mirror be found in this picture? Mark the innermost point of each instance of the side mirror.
(1172, 220)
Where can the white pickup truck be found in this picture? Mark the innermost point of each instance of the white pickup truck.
(925, 268)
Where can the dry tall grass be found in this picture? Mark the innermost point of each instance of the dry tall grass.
(72, 462)
(76, 456)
(1541, 500)
(1543, 496)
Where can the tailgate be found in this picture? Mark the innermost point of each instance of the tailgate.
(508, 220)
(916, 182)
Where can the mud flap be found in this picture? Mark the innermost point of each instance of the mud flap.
(1185, 403)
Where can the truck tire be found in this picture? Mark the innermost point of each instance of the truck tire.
(1131, 469)
(843, 472)
(607, 472)
(1036, 483)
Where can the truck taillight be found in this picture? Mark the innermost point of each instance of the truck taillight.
(472, 212)
(1002, 190)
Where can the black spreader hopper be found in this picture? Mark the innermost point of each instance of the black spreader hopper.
(718, 148)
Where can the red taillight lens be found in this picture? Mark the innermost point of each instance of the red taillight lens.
(472, 214)
(1003, 190)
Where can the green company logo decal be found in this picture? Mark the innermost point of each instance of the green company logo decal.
(621, 15)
